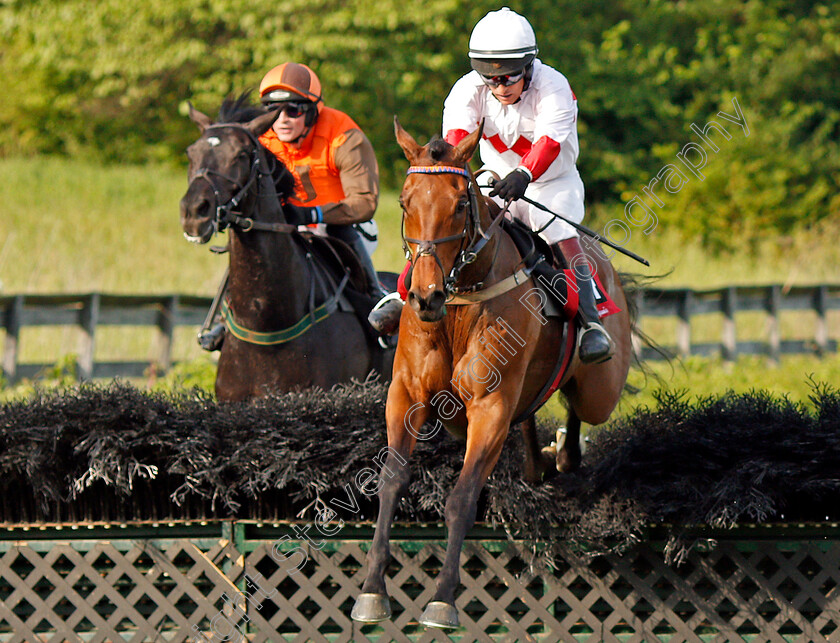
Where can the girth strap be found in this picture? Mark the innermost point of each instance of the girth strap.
(313, 317)
(564, 359)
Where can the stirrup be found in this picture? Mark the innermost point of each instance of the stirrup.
(601, 354)
(213, 338)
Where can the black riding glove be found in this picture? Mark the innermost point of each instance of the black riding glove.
(512, 187)
(302, 215)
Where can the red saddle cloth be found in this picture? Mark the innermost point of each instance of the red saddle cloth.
(603, 302)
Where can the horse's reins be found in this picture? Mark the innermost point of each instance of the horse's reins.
(427, 247)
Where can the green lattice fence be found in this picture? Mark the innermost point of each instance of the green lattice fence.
(180, 582)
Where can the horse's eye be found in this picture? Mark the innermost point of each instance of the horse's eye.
(463, 202)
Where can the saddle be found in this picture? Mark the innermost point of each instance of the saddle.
(334, 259)
(553, 276)
(550, 273)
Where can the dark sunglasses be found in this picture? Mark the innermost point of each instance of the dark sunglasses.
(293, 110)
(506, 80)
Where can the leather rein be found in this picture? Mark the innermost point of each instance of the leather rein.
(478, 239)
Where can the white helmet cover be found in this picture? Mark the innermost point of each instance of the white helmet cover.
(502, 36)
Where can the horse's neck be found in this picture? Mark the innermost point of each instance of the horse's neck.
(269, 279)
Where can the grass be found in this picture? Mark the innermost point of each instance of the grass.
(793, 376)
(79, 227)
(72, 226)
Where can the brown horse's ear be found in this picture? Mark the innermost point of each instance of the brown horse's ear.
(261, 124)
(410, 147)
(465, 149)
(202, 120)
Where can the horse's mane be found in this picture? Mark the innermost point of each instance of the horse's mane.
(240, 109)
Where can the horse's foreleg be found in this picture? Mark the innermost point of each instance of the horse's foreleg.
(568, 454)
(372, 605)
(484, 445)
(537, 464)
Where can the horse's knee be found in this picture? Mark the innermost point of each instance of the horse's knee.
(394, 476)
(452, 509)
(461, 505)
(599, 417)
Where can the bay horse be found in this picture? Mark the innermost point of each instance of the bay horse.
(477, 365)
(288, 327)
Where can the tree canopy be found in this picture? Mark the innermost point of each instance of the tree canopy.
(111, 81)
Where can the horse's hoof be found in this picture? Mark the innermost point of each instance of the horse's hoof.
(371, 608)
(441, 615)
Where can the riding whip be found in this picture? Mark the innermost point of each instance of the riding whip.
(583, 228)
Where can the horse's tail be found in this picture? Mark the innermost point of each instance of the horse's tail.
(634, 285)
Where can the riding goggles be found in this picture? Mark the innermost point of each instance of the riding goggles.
(506, 80)
(292, 109)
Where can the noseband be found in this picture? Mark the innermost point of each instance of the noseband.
(477, 241)
(226, 214)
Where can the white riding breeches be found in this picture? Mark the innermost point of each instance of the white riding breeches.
(563, 195)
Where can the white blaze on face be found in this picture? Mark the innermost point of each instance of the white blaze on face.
(214, 141)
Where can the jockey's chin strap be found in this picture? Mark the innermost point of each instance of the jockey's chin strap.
(477, 241)
(226, 214)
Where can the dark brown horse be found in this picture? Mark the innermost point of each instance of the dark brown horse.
(287, 325)
(473, 366)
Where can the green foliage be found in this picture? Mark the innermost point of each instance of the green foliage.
(194, 374)
(110, 80)
(61, 375)
(781, 61)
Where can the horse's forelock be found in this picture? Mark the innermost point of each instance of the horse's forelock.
(239, 109)
(439, 150)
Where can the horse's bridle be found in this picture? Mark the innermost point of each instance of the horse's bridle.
(478, 239)
(225, 212)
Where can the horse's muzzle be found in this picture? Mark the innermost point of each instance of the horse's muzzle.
(429, 308)
(197, 219)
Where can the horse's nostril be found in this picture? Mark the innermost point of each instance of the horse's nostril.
(202, 208)
(432, 302)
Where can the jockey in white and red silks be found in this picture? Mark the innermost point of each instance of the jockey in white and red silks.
(530, 140)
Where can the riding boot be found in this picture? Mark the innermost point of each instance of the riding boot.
(385, 316)
(349, 235)
(212, 340)
(594, 342)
